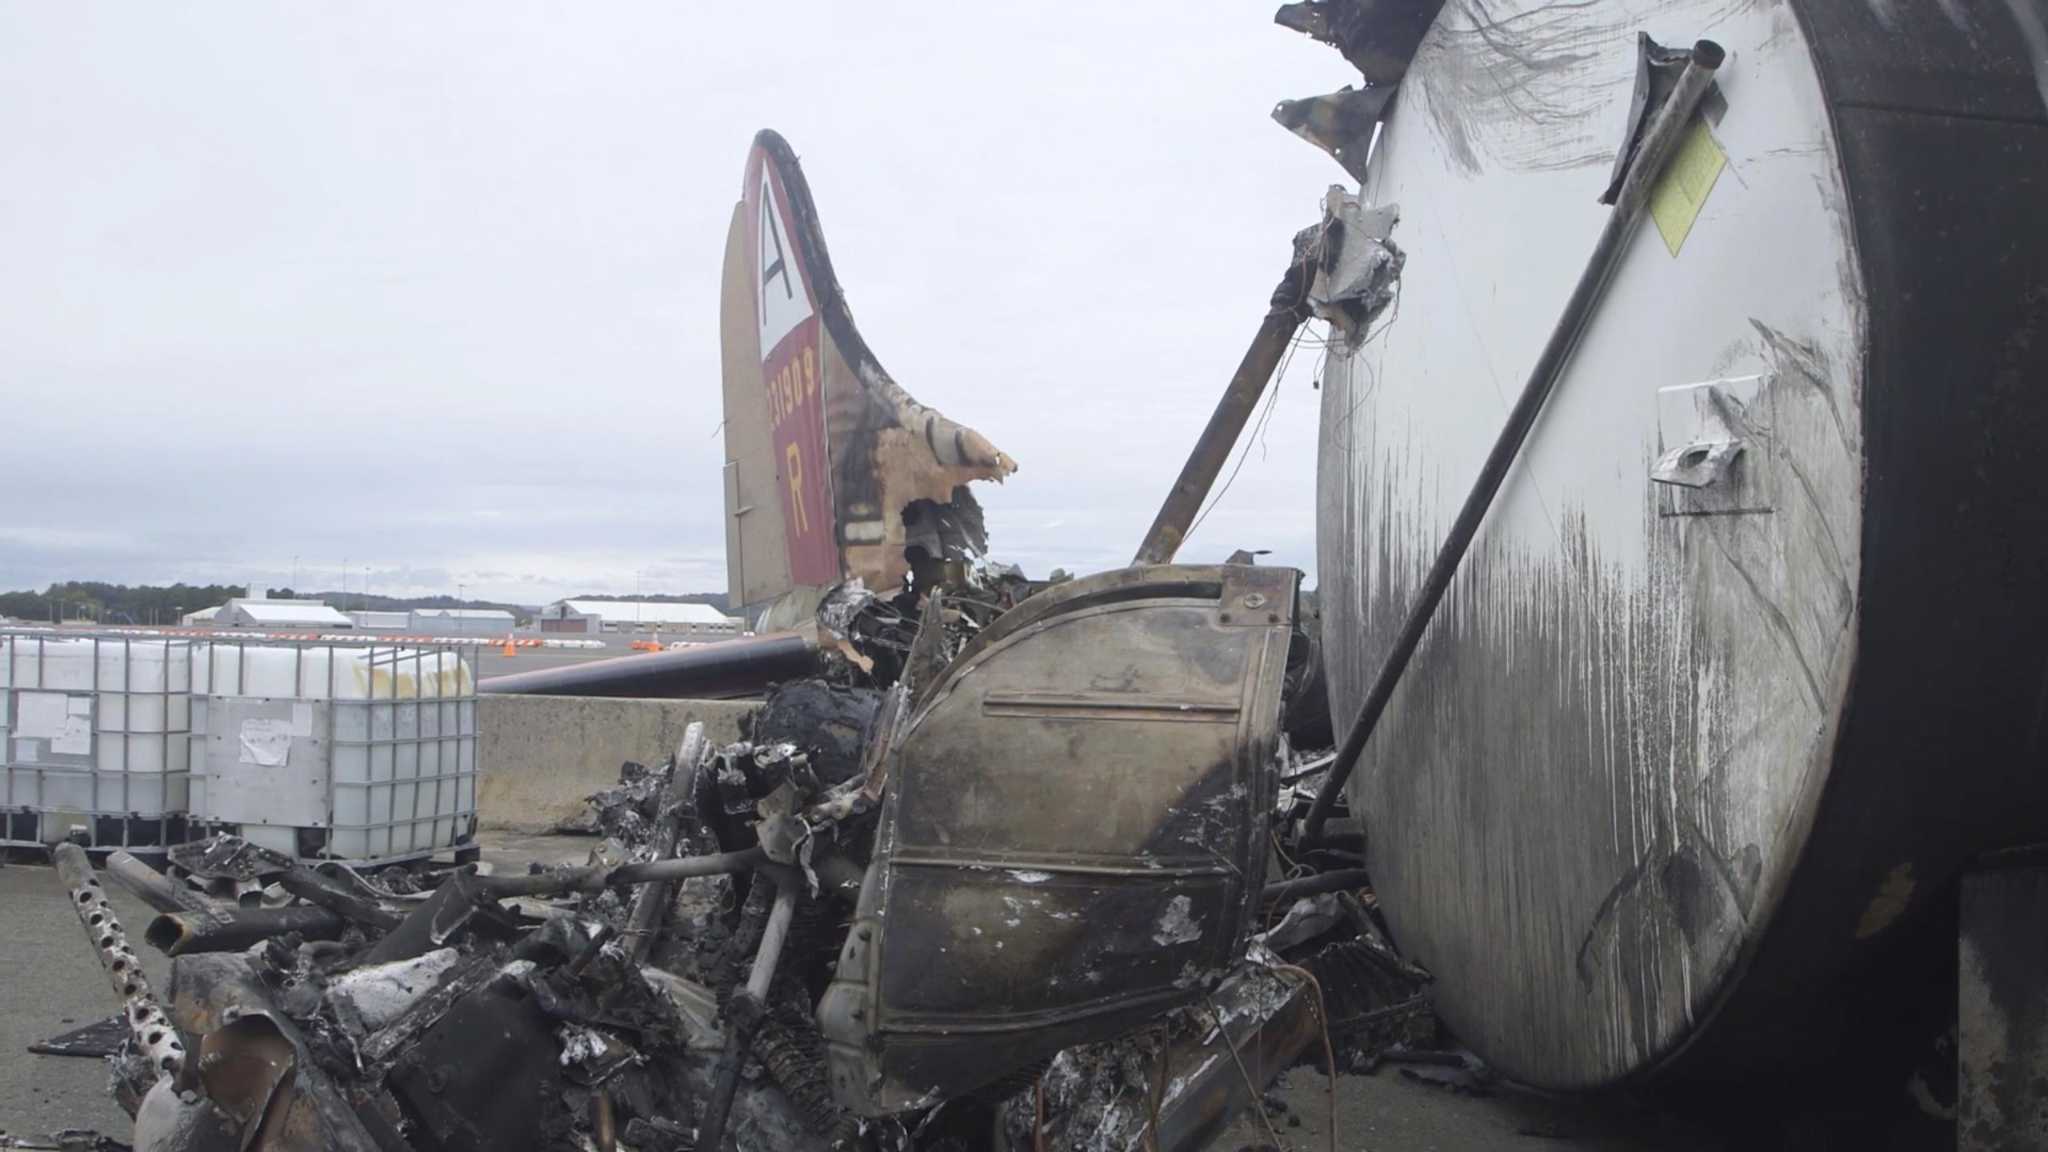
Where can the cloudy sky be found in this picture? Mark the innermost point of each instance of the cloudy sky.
(431, 291)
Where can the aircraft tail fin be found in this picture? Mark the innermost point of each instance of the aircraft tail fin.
(833, 471)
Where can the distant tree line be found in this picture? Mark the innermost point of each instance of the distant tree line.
(115, 603)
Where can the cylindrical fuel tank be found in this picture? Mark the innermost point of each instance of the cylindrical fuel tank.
(1682, 773)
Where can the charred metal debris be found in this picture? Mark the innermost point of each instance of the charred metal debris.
(1380, 39)
(773, 945)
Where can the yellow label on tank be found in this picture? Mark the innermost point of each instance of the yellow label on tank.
(1680, 193)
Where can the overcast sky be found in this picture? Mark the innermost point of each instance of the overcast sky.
(432, 290)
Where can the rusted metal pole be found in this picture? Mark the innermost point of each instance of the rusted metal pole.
(1659, 141)
(151, 1030)
(1289, 308)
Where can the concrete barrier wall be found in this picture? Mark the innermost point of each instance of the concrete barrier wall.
(541, 755)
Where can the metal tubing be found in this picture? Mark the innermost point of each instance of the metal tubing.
(1184, 501)
(419, 691)
(151, 1030)
(596, 879)
(156, 889)
(1657, 145)
(711, 1133)
(730, 668)
(686, 867)
(743, 1011)
(772, 937)
(233, 929)
(650, 904)
(127, 739)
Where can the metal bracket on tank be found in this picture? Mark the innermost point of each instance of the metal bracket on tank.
(1707, 458)
(1697, 465)
(1710, 427)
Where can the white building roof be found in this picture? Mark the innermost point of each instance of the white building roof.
(292, 612)
(648, 611)
(465, 613)
(202, 614)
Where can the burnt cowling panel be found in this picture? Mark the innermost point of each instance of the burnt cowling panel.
(1074, 835)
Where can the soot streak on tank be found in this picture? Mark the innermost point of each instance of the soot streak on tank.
(1639, 703)
(1524, 88)
(1573, 646)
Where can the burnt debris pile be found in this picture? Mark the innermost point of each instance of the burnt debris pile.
(688, 985)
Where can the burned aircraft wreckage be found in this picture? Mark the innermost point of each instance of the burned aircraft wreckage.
(990, 868)
(963, 902)
(1643, 771)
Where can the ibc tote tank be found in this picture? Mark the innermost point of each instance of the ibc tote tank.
(93, 738)
(352, 752)
(1681, 778)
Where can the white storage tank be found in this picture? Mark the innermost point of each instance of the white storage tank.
(358, 752)
(93, 740)
(1747, 662)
